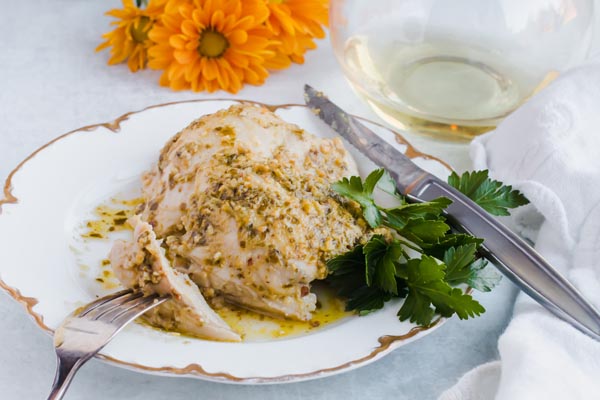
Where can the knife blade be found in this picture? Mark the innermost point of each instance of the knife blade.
(365, 140)
(508, 252)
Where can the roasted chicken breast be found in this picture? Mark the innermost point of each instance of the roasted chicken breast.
(244, 204)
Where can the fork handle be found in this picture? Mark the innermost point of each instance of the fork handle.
(66, 368)
(516, 259)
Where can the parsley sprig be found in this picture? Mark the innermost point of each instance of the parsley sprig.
(492, 196)
(423, 261)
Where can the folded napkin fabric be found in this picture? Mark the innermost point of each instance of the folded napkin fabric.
(550, 150)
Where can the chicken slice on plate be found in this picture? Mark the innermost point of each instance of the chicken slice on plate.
(244, 201)
(142, 265)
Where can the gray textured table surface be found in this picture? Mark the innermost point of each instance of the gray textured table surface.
(51, 81)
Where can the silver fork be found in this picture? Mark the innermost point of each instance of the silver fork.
(86, 331)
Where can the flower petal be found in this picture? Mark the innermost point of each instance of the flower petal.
(185, 56)
(217, 20)
(189, 28)
(210, 69)
(237, 37)
(178, 41)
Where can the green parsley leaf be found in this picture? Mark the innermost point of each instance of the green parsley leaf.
(347, 275)
(464, 305)
(388, 185)
(429, 293)
(491, 195)
(416, 308)
(347, 271)
(367, 299)
(438, 249)
(463, 267)
(372, 179)
(420, 223)
(380, 258)
(354, 189)
(457, 260)
(398, 217)
(483, 277)
(421, 231)
(347, 263)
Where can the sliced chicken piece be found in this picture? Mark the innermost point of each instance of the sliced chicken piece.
(246, 199)
(142, 265)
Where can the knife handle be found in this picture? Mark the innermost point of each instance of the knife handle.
(514, 257)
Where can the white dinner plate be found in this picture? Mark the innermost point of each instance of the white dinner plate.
(50, 270)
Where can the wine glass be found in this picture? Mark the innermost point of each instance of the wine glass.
(455, 69)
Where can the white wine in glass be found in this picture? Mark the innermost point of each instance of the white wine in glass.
(454, 70)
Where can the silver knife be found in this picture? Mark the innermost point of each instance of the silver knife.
(511, 255)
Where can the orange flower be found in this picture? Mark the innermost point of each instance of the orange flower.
(211, 44)
(129, 40)
(295, 23)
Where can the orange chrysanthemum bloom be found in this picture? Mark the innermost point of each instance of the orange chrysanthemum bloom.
(211, 44)
(129, 40)
(295, 23)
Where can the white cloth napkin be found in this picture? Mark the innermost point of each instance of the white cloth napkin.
(550, 150)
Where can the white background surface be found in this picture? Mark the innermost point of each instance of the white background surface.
(51, 82)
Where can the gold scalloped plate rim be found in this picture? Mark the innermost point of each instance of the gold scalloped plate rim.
(386, 342)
